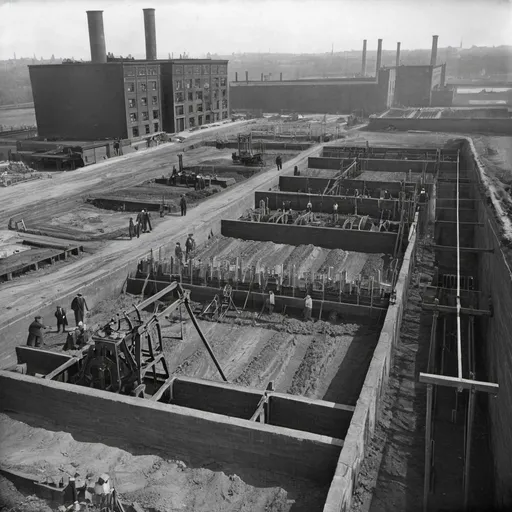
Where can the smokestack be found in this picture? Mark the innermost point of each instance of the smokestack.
(433, 56)
(97, 37)
(236, 76)
(398, 54)
(379, 56)
(150, 31)
(363, 63)
(281, 76)
(247, 76)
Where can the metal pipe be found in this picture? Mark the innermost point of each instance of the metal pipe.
(433, 55)
(363, 62)
(150, 33)
(247, 76)
(97, 37)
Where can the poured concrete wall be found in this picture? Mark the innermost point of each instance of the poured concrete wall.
(372, 164)
(495, 280)
(330, 238)
(171, 431)
(448, 124)
(366, 413)
(365, 206)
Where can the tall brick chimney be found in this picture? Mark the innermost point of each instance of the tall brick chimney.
(379, 56)
(363, 63)
(398, 54)
(150, 32)
(97, 37)
(433, 55)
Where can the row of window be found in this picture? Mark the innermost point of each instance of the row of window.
(180, 109)
(130, 86)
(147, 129)
(189, 83)
(144, 116)
(140, 71)
(132, 103)
(198, 69)
(179, 97)
(207, 119)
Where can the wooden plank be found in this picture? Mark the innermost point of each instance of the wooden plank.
(167, 384)
(461, 249)
(62, 368)
(168, 289)
(454, 382)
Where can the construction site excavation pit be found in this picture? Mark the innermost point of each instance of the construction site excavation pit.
(224, 398)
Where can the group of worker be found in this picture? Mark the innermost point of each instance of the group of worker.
(190, 247)
(75, 338)
(142, 223)
(270, 303)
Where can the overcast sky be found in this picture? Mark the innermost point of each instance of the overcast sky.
(59, 27)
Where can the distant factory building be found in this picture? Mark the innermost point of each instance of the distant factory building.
(418, 86)
(111, 98)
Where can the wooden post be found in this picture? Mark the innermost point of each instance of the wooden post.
(428, 448)
(467, 458)
(444, 346)
(190, 269)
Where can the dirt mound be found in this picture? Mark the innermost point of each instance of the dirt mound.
(156, 484)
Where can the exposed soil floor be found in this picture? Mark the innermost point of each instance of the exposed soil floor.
(155, 483)
(306, 258)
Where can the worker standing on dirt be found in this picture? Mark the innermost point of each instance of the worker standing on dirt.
(138, 220)
(79, 306)
(60, 315)
(279, 162)
(132, 229)
(183, 204)
(147, 219)
(72, 339)
(309, 207)
(296, 171)
(190, 245)
(82, 335)
(423, 196)
(308, 307)
(143, 220)
(174, 175)
(271, 302)
(36, 332)
(335, 212)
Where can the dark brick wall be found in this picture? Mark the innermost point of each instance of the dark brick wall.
(84, 101)
(413, 86)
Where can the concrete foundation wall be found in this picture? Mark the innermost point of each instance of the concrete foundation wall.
(372, 164)
(324, 204)
(330, 238)
(465, 125)
(495, 280)
(171, 431)
(366, 413)
(215, 397)
(255, 301)
(109, 285)
(324, 418)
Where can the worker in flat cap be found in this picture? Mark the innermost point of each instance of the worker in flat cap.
(60, 315)
(36, 332)
(308, 307)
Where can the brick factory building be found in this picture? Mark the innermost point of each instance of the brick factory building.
(127, 99)
(418, 86)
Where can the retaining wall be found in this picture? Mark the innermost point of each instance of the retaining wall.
(465, 125)
(330, 238)
(169, 430)
(108, 284)
(373, 164)
(324, 204)
(255, 301)
(366, 412)
(495, 280)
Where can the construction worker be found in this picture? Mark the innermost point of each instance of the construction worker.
(147, 220)
(72, 339)
(386, 194)
(423, 196)
(335, 212)
(60, 315)
(190, 245)
(308, 307)
(79, 306)
(296, 171)
(82, 334)
(279, 162)
(183, 204)
(174, 175)
(178, 253)
(263, 206)
(36, 332)
(139, 220)
(271, 302)
(309, 207)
